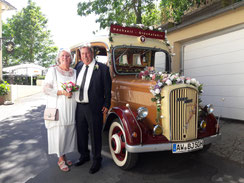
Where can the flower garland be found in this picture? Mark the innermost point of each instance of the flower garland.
(164, 79)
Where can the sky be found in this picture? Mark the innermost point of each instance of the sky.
(66, 26)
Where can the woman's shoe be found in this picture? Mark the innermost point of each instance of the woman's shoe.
(63, 167)
(69, 163)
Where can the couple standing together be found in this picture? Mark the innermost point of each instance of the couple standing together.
(81, 112)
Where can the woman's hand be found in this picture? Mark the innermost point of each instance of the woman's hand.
(67, 94)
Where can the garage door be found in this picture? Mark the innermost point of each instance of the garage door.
(218, 63)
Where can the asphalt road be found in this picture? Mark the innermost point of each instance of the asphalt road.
(24, 158)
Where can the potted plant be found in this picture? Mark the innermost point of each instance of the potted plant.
(4, 89)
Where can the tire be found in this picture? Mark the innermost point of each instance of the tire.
(121, 157)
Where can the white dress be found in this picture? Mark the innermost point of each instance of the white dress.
(61, 134)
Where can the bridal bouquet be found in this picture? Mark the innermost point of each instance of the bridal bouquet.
(70, 86)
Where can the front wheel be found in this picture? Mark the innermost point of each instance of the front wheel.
(120, 155)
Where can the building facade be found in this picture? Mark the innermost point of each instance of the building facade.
(210, 48)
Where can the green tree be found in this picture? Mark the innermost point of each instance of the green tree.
(28, 30)
(173, 10)
(141, 11)
(121, 11)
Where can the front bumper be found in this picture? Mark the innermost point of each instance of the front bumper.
(165, 146)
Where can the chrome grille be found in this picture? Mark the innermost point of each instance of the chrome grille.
(183, 114)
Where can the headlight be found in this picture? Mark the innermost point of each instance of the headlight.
(157, 130)
(203, 124)
(210, 108)
(142, 112)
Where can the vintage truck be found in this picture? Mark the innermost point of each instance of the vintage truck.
(152, 109)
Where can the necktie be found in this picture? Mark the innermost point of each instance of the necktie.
(83, 84)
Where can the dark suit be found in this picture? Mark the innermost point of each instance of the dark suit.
(89, 117)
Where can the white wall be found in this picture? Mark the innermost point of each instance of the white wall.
(18, 91)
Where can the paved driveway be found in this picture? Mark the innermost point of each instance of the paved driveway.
(24, 158)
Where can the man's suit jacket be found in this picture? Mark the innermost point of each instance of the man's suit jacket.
(99, 92)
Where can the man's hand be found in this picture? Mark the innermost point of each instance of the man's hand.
(105, 110)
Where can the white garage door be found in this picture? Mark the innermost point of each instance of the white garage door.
(218, 63)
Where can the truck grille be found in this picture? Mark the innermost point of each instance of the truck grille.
(183, 114)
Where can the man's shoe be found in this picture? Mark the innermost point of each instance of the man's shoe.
(96, 165)
(81, 161)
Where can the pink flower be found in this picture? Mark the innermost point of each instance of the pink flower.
(153, 76)
(70, 86)
(150, 69)
(146, 73)
(141, 74)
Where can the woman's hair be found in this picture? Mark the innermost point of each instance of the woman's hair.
(59, 53)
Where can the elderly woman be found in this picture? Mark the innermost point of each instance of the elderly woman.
(62, 133)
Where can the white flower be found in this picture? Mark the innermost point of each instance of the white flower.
(157, 91)
(124, 24)
(151, 27)
(160, 84)
(172, 77)
(96, 67)
(151, 75)
(69, 85)
(178, 80)
(193, 81)
(165, 75)
(140, 25)
(168, 82)
(153, 92)
(197, 84)
(160, 73)
(188, 81)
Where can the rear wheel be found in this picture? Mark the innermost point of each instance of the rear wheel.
(120, 155)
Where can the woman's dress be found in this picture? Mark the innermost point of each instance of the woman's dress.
(61, 134)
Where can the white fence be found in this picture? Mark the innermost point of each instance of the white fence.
(18, 91)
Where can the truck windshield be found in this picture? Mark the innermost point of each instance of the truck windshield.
(134, 59)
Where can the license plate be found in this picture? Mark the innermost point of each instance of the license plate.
(187, 147)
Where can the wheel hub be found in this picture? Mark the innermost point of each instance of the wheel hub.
(116, 143)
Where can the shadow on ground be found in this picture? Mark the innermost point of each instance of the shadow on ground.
(23, 145)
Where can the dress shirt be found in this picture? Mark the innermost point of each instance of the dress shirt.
(87, 82)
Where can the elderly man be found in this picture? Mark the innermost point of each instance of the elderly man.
(93, 100)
